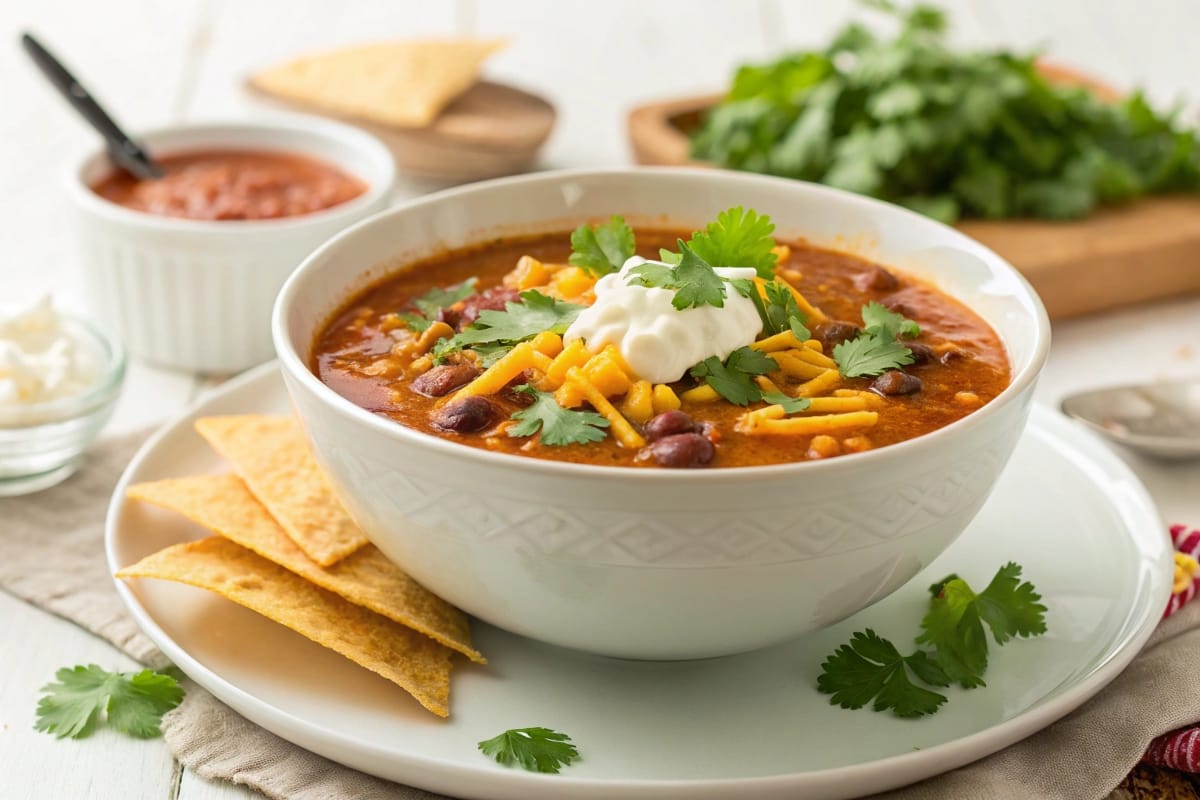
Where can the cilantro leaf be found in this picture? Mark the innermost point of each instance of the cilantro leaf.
(414, 321)
(520, 321)
(559, 426)
(439, 298)
(602, 249)
(878, 318)
(697, 283)
(870, 668)
(955, 622)
(876, 349)
(733, 378)
(693, 279)
(791, 405)
(432, 302)
(534, 749)
(738, 238)
(779, 311)
(134, 702)
(870, 354)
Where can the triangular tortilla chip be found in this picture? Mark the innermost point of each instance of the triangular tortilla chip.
(223, 504)
(271, 455)
(406, 84)
(414, 662)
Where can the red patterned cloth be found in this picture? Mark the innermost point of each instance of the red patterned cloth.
(1180, 749)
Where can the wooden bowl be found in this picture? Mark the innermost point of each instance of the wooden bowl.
(490, 131)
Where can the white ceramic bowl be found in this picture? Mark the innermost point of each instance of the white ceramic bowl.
(197, 295)
(648, 563)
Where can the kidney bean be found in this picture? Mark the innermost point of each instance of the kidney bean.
(876, 278)
(683, 450)
(668, 423)
(894, 382)
(468, 415)
(922, 353)
(443, 379)
(450, 316)
(833, 333)
(493, 299)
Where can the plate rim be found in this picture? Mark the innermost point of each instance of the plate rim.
(452, 777)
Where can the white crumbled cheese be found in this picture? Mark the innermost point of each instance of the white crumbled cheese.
(41, 359)
(658, 341)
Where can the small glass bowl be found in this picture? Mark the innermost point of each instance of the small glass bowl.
(43, 444)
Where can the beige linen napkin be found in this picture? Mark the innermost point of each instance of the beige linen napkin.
(52, 555)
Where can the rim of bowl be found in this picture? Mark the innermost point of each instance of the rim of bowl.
(50, 412)
(291, 362)
(379, 184)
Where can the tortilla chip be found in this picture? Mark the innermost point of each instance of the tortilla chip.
(224, 505)
(413, 662)
(271, 455)
(406, 84)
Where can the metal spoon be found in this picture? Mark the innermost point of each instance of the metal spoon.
(1161, 420)
(127, 153)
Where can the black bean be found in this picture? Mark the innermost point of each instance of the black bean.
(668, 423)
(682, 450)
(876, 278)
(895, 382)
(493, 299)
(468, 415)
(833, 333)
(442, 380)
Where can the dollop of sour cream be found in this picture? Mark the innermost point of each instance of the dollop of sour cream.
(41, 359)
(658, 341)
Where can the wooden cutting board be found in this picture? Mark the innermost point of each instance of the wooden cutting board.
(1144, 251)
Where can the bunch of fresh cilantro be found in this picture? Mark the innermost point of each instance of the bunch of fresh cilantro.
(870, 669)
(946, 132)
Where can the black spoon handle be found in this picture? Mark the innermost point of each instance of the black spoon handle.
(125, 151)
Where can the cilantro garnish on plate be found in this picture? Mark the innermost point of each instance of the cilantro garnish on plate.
(534, 749)
(779, 311)
(877, 349)
(733, 378)
(602, 249)
(132, 702)
(559, 426)
(870, 669)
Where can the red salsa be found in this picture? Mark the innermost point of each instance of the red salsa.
(233, 185)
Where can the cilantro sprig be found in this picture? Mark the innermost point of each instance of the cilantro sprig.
(733, 378)
(871, 670)
(779, 311)
(602, 249)
(738, 238)
(878, 348)
(791, 405)
(495, 330)
(947, 132)
(533, 749)
(430, 304)
(693, 279)
(132, 702)
(559, 426)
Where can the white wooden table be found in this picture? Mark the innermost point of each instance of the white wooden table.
(160, 62)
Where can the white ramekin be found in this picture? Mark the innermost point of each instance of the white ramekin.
(658, 563)
(197, 295)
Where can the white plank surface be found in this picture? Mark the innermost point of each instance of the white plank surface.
(157, 63)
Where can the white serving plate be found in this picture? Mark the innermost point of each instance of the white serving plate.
(750, 726)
